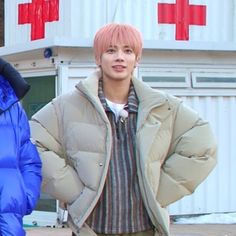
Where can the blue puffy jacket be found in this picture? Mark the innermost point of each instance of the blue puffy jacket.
(20, 165)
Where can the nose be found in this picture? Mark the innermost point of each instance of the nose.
(119, 55)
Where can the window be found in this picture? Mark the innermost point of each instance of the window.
(214, 80)
(188, 78)
(165, 79)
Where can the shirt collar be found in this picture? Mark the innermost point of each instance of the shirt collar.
(132, 104)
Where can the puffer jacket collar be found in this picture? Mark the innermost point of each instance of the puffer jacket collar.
(148, 98)
(89, 87)
(7, 95)
(17, 82)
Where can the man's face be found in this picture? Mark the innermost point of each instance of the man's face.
(118, 62)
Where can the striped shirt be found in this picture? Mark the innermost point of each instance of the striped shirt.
(120, 208)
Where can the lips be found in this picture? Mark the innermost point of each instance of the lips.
(119, 67)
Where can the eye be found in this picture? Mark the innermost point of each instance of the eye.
(110, 50)
(129, 51)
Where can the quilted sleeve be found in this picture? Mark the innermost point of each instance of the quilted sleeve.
(30, 163)
(191, 158)
(59, 179)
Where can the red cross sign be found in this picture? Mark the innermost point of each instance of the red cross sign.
(37, 14)
(182, 14)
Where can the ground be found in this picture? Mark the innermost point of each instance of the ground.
(176, 230)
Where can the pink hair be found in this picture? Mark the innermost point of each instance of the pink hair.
(114, 33)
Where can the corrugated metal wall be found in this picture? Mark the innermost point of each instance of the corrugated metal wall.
(217, 193)
(80, 19)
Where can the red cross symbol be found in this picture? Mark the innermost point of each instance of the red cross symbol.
(37, 14)
(182, 14)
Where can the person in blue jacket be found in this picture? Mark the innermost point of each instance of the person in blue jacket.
(20, 165)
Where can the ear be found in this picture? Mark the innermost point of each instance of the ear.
(137, 62)
(98, 61)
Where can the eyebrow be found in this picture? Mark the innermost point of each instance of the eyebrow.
(115, 46)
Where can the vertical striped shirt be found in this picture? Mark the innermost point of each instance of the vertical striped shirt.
(120, 208)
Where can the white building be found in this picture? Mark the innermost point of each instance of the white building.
(189, 50)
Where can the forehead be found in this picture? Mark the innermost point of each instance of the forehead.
(118, 39)
(119, 45)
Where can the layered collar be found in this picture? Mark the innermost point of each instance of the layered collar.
(132, 104)
(147, 96)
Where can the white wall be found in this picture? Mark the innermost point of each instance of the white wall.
(80, 19)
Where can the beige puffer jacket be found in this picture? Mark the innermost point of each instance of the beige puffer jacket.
(176, 150)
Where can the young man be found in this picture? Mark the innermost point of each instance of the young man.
(117, 152)
(20, 165)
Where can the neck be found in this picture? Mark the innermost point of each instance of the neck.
(116, 91)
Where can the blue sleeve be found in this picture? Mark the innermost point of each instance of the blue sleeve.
(30, 164)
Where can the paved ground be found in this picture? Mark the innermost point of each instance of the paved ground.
(203, 230)
(176, 230)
